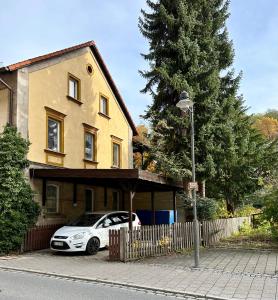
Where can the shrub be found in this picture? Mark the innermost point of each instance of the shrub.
(18, 211)
(206, 207)
(245, 211)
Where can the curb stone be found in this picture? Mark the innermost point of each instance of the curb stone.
(119, 284)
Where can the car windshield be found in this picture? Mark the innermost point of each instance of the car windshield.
(86, 220)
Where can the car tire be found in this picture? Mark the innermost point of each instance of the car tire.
(92, 246)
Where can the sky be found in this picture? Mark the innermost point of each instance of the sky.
(34, 27)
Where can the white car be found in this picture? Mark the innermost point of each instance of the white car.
(90, 231)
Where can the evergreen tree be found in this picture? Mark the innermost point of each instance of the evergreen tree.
(190, 50)
(18, 211)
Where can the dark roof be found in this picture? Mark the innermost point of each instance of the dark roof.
(92, 45)
(144, 181)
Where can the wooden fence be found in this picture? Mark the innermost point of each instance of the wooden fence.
(114, 244)
(38, 238)
(213, 231)
(158, 240)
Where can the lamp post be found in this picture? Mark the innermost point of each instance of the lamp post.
(185, 104)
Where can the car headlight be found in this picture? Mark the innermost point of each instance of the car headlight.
(78, 236)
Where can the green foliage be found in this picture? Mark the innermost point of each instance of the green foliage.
(189, 49)
(262, 231)
(270, 210)
(245, 211)
(18, 211)
(222, 212)
(206, 207)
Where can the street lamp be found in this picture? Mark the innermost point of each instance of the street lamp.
(185, 104)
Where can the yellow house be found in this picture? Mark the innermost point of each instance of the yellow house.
(67, 104)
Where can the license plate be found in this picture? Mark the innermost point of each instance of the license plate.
(58, 243)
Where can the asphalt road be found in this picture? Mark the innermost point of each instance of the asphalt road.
(26, 286)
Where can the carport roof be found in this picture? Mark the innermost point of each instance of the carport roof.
(129, 179)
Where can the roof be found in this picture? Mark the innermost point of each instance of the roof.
(144, 181)
(94, 49)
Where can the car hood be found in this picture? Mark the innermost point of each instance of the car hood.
(71, 230)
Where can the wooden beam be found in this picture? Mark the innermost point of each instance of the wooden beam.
(153, 207)
(175, 206)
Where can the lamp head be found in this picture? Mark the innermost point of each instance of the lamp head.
(185, 103)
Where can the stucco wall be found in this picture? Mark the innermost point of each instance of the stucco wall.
(4, 108)
(48, 86)
(11, 80)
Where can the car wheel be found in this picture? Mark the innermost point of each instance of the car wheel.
(92, 246)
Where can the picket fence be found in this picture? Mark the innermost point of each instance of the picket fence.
(144, 241)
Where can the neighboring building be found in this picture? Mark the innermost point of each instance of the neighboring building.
(67, 104)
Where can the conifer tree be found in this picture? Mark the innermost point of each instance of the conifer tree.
(18, 211)
(189, 49)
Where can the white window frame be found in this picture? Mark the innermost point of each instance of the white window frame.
(102, 100)
(58, 134)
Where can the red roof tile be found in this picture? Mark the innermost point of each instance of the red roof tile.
(100, 60)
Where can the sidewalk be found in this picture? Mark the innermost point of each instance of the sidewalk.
(163, 274)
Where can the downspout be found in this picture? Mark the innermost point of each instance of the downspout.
(10, 101)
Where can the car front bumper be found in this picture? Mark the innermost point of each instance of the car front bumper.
(67, 245)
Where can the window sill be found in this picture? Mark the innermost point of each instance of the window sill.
(57, 153)
(115, 167)
(104, 115)
(90, 161)
(74, 100)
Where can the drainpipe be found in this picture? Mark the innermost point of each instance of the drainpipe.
(10, 101)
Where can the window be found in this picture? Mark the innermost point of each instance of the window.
(89, 200)
(105, 223)
(89, 146)
(74, 87)
(54, 135)
(55, 130)
(116, 155)
(90, 69)
(90, 137)
(125, 217)
(52, 198)
(104, 105)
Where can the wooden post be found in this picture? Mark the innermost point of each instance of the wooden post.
(105, 196)
(74, 196)
(153, 207)
(175, 206)
(123, 199)
(43, 192)
(131, 195)
(123, 236)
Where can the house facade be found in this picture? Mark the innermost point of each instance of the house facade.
(68, 106)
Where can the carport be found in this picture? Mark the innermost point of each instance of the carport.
(130, 181)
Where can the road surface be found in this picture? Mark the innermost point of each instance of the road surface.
(27, 286)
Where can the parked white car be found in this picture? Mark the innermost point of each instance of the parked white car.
(90, 231)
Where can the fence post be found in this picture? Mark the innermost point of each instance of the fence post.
(123, 235)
